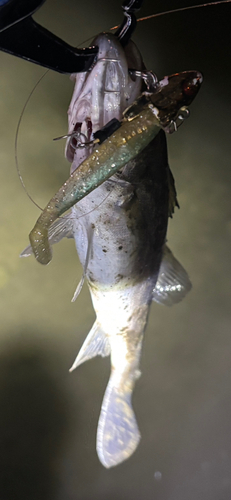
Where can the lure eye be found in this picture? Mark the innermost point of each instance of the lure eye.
(188, 88)
(191, 85)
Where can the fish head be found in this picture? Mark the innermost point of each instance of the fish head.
(101, 94)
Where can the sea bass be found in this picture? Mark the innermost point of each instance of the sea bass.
(120, 233)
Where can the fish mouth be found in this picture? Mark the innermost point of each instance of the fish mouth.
(101, 94)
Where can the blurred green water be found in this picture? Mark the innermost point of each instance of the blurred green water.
(182, 401)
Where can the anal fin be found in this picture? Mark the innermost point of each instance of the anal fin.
(96, 344)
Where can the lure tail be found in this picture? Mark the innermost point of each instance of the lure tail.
(118, 435)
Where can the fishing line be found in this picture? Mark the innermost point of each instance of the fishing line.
(16, 152)
(181, 9)
(92, 210)
(87, 213)
(159, 14)
(16, 141)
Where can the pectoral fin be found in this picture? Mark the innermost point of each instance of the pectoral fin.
(61, 228)
(96, 344)
(118, 435)
(173, 282)
(88, 256)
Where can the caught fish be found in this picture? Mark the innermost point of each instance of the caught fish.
(121, 193)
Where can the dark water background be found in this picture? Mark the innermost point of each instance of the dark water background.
(48, 417)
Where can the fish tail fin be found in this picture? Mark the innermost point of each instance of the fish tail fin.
(118, 433)
(96, 344)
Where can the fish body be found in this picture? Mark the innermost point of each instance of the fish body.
(119, 227)
(128, 235)
(127, 217)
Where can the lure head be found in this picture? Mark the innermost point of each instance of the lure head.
(101, 94)
(172, 96)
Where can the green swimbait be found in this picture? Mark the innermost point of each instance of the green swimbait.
(141, 123)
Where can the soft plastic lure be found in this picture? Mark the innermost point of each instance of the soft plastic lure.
(141, 123)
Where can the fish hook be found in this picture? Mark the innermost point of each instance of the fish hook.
(128, 25)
